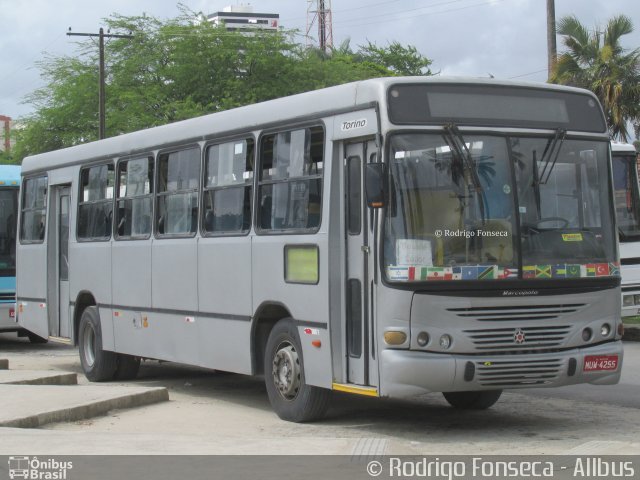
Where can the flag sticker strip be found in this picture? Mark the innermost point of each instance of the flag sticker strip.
(418, 273)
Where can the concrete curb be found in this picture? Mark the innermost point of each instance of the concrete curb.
(4, 364)
(89, 410)
(37, 378)
(631, 333)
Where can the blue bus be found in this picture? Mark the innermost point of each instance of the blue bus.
(9, 188)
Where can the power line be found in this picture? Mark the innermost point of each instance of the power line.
(527, 74)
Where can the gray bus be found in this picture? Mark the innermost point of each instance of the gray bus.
(389, 238)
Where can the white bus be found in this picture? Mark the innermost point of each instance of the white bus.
(389, 238)
(627, 203)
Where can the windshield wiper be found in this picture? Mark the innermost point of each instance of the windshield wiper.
(552, 150)
(459, 148)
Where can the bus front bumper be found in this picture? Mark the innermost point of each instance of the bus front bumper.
(407, 373)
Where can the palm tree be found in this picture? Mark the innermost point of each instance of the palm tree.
(596, 61)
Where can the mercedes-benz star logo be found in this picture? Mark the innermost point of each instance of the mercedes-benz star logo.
(519, 336)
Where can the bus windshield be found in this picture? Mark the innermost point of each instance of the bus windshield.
(8, 219)
(516, 207)
(626, 195)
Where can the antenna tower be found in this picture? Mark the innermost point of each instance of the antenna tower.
(319, 11)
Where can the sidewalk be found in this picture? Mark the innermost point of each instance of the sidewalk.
(31, 399)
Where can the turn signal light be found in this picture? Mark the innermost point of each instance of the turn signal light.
(395, 338)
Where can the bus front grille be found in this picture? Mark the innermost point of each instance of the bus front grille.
(502, 374)
(515, 313)
(519, 340)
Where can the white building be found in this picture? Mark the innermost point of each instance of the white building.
(243, 19)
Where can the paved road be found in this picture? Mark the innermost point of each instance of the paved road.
(212, 412)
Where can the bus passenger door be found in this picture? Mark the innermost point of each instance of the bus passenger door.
(58, 290)
(358, 314)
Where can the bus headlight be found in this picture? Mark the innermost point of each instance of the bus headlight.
(445, 341)
(605, 330)
(636, 299)
(422, 339)
(627, 301)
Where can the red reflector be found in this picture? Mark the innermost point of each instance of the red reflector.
(12, 313)
(595, 363)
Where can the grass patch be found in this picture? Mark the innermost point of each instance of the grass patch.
(631, 320)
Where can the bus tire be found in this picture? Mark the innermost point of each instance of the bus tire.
(290, 396)
(128, 366)
(476, 400)
(98, 365)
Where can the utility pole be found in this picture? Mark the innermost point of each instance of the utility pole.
(552, 53)
(101, 96)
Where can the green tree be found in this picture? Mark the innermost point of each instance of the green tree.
(397, 58)
(597, 61)
(176, 69)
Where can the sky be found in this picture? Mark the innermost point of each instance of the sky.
(502, 38)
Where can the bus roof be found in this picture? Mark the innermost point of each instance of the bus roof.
(618, 147)
(344, 97)
(9, 175)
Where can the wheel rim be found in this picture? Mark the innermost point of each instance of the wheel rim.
(89, 346)
(286, 371)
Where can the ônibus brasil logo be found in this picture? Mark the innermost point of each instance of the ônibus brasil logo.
(33, 468)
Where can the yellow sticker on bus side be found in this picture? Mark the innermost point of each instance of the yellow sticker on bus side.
(301, 264)
(572, 237)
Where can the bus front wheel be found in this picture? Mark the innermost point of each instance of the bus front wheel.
(290, 396)
(479, 400)
(98, 365)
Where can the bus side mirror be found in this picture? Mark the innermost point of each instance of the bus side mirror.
(376, 184)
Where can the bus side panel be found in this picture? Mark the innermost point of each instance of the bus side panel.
(90, 271)
(224, 301)
(225, 344)
(174, 297)
(31, 288)
(307, 304)
(131, 292)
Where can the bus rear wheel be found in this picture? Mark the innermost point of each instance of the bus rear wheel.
(98, 365)
(478, 400)
(290, 396)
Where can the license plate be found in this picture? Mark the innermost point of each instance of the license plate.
(595, 363)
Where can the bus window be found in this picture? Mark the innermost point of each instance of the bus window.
(290, 187)
(178, 179)
(135, 193)
(227, 189)
(95, 208)
(34, 206)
